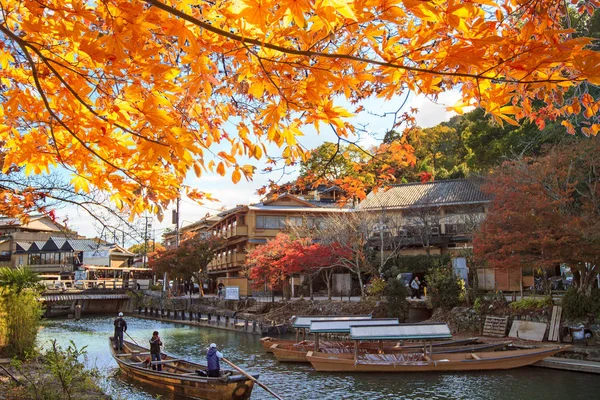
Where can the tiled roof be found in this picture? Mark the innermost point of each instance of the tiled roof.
(430, 194)
(23, 247)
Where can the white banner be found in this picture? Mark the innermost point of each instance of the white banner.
(232, 292)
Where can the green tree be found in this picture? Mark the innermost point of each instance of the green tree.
(20, 310)
(141, 248)
(18, 279)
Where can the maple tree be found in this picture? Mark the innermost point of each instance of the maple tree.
(129, 96)
(272, 263)
(189, 260)
(546, 211)
(354, 170)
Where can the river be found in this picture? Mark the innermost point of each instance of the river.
(299, 381)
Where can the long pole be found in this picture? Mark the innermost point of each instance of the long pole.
(247, 375)
(131, 339)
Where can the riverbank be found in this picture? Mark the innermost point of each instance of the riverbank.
(36, 379)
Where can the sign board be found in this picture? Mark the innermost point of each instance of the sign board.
(98, 257)
(232, 292)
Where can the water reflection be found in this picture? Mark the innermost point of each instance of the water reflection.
(301, 382)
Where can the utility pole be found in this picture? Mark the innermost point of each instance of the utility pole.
(146, 224)
(175, 220)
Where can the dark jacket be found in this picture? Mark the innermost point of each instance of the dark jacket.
(155, 346)
(212, 360)
(120, 325)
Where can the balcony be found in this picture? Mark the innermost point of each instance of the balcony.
(240, 230)
(227, 261)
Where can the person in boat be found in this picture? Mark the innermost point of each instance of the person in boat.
(212, 358)
(120, 328)
(155, 344)
(415, 285)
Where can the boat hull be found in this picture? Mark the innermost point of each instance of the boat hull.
(180, 377)
(438, 363)
(267, 342)
(298, 355)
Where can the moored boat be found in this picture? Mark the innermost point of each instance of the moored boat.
(413, 362)
(267, 343)
(184, 378)
(298, 353)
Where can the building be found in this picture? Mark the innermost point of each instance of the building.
(46, 246)
(38, 228)
(245, 227)
(202, 227)
(438, 216)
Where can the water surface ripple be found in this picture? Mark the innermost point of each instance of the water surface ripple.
(301, 382)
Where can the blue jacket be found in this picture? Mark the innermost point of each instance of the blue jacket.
(212, 360)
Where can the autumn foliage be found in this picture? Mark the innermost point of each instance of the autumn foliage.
(189, 260)
(283, 256)
(130, 96)
(546, 211)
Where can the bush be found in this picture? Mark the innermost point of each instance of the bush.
(22, 314)
(57, 374)
(421, 263)
(578, 305)
(444, 288)
(376, 287)
(532, 303)
(396, 294)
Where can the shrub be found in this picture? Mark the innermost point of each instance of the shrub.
(396, 294)
(22, 314)
(444, 288)
(421, 263)
(377, 287)
(532, 303)
(66, 366)
(578, 305)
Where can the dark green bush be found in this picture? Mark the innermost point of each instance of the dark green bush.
(396, 294)
(532, 303)
(578, 305)
(421, 263)
(444, 288)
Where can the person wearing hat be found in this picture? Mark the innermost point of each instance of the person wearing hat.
(212, 358)
(120, 327)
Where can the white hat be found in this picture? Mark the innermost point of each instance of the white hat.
(120, 314)
(212, 345)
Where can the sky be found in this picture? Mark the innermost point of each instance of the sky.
(229, 194)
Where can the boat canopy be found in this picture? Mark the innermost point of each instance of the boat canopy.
(401, 332)
(304, 321)
(343, 326)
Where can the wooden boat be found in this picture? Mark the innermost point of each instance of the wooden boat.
(181, 377)
(267, 342)
(298, 353)
(412, 362)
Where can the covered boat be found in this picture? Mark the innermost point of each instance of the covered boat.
(421, 362)
(302, 323)
(184, 378)
(298, 353)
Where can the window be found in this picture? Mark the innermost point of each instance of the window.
(314, 222)
(273, 222)
(265, 222)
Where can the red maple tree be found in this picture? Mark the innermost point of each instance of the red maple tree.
(545, 212)
(275, 262)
